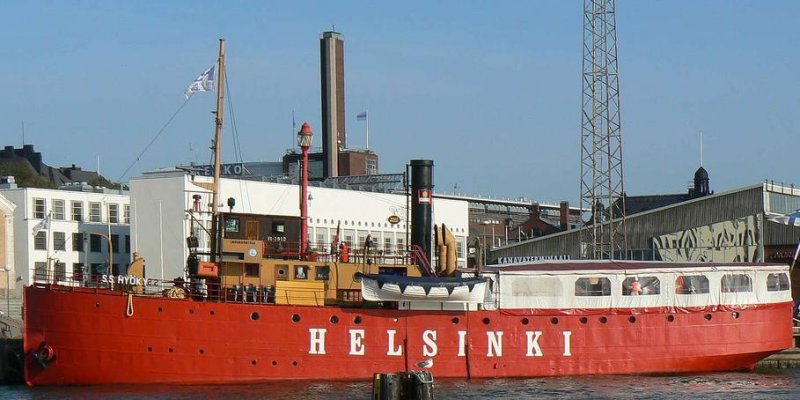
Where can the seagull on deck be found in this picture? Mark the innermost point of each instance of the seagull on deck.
(425, 364)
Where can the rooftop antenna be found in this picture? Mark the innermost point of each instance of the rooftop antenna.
(23, 133)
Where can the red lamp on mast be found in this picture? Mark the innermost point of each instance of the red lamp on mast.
(304, 139)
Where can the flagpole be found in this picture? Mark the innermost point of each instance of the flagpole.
(367, 111)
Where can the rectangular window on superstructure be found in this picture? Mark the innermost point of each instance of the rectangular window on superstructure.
(40, 240)
(778, 282)
(94, 212)
(278, 227)
(593, 286)
(77, 211)
(39, 210)
(251, 270)
(77, 241)
(641, 285)
(736, 283)
(323, 273)
(113, 213)
(59, 241)
(301, 272)
(232, 225)
(691, 284)
(127, 214)
(401, 245)
(58, 209)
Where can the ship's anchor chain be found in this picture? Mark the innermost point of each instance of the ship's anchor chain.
(44, 354)
(129, 307)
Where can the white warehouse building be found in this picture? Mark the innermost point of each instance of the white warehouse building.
(162, 201)
(83, 220)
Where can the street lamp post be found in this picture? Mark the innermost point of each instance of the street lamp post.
(304, 139)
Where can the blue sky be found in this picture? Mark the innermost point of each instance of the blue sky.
(490, 90)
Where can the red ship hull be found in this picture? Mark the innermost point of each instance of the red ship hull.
(92, 340)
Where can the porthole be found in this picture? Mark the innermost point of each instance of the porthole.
(97, 305)
(631, 319)
(212, 312)
(160, 309)
(554, 321)
(486, 321)
(254, 316)
(150, 349)
(455, 320)
(202, 351)
(707, 317)
(254, 362)
(524, 321)
(603, 320)
(296, 318)
(274, 363)
(294, 363)
(191, 311)
(584, 320)
(357, 319)
(670, 318)
(171, 350)
(735, 315)
(334, 319)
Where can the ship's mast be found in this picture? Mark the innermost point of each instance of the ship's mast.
(217, 147)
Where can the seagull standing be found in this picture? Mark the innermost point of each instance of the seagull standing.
(425, 364)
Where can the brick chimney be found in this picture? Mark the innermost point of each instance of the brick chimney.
(564, 215)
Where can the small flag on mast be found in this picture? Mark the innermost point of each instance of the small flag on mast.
(362, 116)
(203, 83)
(44, 224)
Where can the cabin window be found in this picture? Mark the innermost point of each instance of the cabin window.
(777, 282)
(232, 225)
(282, 272)
(300, 272)
(593, 286)
(536, 286)
(691, 284)
(251, 270)
(641, 285)
(278, 227)
(323, 273)
(735, 283)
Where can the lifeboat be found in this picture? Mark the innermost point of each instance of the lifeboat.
(383, 287)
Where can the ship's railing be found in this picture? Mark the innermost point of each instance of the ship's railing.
(350, 253)
(197, 289)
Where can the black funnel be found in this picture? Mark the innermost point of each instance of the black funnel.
(421, 203)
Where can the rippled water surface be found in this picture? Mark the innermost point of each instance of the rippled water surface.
(781, 384)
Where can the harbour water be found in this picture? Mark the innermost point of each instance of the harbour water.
(777, 384)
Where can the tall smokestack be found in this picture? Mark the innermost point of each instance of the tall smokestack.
(421, 203)
(331, 53)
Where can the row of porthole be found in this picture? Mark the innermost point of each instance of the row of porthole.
(554, 320)
(201, 351)
(161, 309)
(486, 321)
